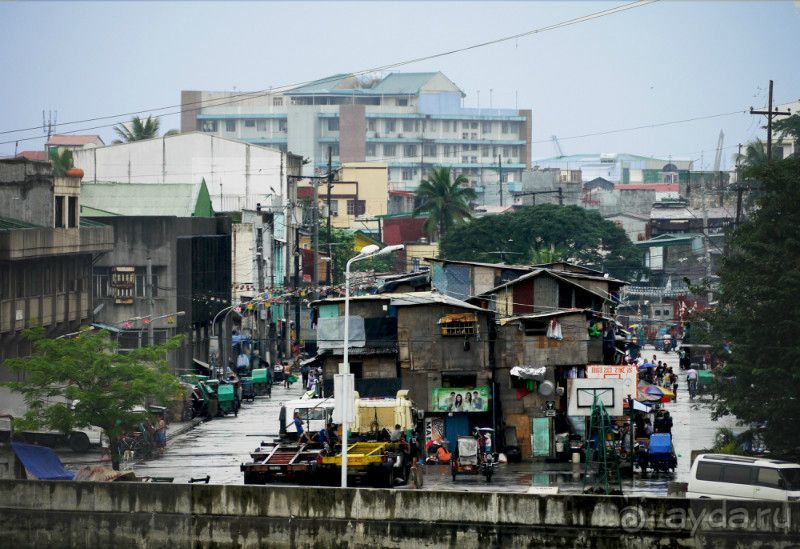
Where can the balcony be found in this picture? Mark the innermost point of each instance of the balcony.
(47, 242)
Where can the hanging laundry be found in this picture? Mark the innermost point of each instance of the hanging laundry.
(554, 330)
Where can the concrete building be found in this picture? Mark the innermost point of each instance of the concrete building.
(411, 121)
(621, 167)
(358, 195)
(46, 255)
(173, 227)
(634, 225)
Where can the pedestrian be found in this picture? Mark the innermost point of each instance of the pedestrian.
(691, 382)
(287, 371)
(648, 427)
(161, 434)
(674, 378)
(304, 369)
(302, 436)
(667, 423)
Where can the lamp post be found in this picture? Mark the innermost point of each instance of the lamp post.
(343, 400)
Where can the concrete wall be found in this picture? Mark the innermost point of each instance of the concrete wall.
(62, 514)
(242, 173)
(26, 191)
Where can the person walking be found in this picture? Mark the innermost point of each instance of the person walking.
(304, 370)
(673, 377)
(287, 371)
(691, 382)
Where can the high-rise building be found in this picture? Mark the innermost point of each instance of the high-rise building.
(411, 121)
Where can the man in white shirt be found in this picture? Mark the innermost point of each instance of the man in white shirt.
(691, 381)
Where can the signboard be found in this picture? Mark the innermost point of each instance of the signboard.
(627, 373)
(583, 392)
(434, 430)
(451, 399)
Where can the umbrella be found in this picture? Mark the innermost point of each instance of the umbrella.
(646, 365)
(649, 393)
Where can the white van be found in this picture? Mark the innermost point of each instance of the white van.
(720, 476)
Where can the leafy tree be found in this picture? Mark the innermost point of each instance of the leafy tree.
(789, 126)
(138, 129)
(758, 311)
(61, 161)
(445, 200)
(546, 232)
(73, 383)
(342, 244)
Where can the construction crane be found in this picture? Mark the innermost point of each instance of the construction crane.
(557, 145)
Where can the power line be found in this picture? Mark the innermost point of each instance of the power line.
(251, 95)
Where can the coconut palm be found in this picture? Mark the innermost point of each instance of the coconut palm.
(445, 200)
(754, 155)
(137, 129)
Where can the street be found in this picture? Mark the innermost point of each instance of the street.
(217, 448)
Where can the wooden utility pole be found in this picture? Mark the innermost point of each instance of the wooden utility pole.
(770, 113)
(328, 279)
(739, 188)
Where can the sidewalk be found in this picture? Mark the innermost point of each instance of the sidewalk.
(178, 428)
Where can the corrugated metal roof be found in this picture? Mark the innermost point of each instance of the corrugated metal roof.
(689, 213)
(178, 199)
(408, 299)
(537, 316)
(400, 83)
(8, 224)
(321, 86)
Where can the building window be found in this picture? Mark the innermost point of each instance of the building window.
(372, 125)
(389, 125)
(460, 324)
(356, 207)
(504, 127)
(371, 149)
(334, 208)
(486, 127)
(429, 150)
(334, 149)
(261, 125)
(389, 151)
(249, 123)
(141, 283)
(59, 212)
(282, 126)
(448, 150)
(102, 287)
(407, 174)
(402, 101)
(333, 124)
(410, 151)
(123, 284)
(431, 125)
(209, 126)
(277, 101)
(230, 125)
(408, 125)
(72, 211)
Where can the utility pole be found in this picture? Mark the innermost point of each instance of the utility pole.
(500, 175)
(770, 114)
(315, 228)
(296, 295)
(328, 279)
(739, 188)
(706, 250)
(150, 302)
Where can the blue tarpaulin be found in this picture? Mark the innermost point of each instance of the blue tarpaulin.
(41, 462)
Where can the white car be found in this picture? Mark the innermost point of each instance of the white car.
(720, 476)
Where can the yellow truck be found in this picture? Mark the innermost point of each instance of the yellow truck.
(379, 464)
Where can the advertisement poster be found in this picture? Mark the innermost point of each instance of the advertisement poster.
(451, 399)
(434, 430)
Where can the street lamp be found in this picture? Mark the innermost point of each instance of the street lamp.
(341, 399)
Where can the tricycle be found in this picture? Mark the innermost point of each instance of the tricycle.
(226, 399)
(657, 455)
(471, 459)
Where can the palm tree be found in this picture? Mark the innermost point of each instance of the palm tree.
(754, 155)
(61, 161)
(137, 129)
(445, 200)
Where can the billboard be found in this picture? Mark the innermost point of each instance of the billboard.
(451, 399)
(627, 373)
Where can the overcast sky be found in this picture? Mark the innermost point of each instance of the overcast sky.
(666, 61)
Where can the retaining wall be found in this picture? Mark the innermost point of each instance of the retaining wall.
(74, 514)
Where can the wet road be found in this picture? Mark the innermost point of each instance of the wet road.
(218, 447)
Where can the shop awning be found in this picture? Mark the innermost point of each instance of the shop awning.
(41, 462)
(202, 365)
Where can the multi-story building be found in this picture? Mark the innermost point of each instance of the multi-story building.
(411, 121)
(46, 256)
(622, 168)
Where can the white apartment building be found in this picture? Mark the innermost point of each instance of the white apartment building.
(411, 121)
